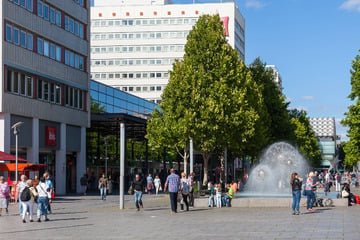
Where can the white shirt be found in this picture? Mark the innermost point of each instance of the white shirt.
(157, 181)
(41, 188)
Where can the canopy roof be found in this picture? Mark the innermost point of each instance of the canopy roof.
(8, 157)
(21, 167)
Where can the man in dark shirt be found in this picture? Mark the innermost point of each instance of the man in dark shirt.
(138, 186)
(315, 180)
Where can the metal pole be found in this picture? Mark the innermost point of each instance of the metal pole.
(106, 158)
(226, 167)
(191, 156)
(16, 155)
(122, 163)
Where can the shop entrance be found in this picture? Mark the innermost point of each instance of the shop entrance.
(71, 173)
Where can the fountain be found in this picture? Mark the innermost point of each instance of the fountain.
(271, 177)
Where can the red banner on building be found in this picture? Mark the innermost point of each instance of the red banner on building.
(225, 21)
(50, 136)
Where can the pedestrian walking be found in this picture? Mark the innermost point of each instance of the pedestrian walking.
(192, 185)
(338, 182)
(138, 187)
(173, 182)
(309, 192)
(185, 191)
(103, 184)
(296, 183)
(28, 196)
(43, 200)
(49, 189)
(110, 185)
(157, 183)
(84, 182)
(4, 195)
(19, 188)
(149, 184)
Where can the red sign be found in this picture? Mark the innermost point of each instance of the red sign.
(50, 136)
(225, 21)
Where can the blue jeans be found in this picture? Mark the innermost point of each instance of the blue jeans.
(42, 206)
(212, 201)
(137, 198)
(20, 206)
(296, 200)
(310, 199)
(103, 193)
(173, 201)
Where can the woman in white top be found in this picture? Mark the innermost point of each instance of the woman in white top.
(157, 183)
(28, 205)
(43, 200)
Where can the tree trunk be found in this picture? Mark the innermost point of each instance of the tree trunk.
(185, 156)
(206, 157)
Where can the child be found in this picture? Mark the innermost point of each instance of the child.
(212, 196)
(218, 195)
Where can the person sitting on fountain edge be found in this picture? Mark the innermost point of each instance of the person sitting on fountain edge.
(229, 195)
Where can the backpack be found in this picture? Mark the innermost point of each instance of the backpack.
(25, 195)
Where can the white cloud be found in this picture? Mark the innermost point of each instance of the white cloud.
(308, 98)
(301, 108)
(254, 4)
(351, 5)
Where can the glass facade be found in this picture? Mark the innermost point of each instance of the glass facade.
(117, 101)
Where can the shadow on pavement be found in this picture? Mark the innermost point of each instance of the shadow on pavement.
(67, 219)
(64, 213)
(46, 229)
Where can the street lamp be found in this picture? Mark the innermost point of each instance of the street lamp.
(16, 127)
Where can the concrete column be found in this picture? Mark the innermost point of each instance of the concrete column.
(81, 160)
(5, 131)
(61, 162)
(32, 153)
(191, 157)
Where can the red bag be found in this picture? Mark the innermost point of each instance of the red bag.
(357, 199)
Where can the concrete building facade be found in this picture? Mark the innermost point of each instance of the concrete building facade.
(135, 43)
(45, 84)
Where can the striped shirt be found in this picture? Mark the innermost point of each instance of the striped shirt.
(173, 181)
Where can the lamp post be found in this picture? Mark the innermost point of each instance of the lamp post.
(16, 127)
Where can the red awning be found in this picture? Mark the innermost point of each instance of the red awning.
(21, 167)
(8, 157)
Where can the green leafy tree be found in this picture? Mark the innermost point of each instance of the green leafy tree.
(352, 117)
(277, 115)
(305, 138)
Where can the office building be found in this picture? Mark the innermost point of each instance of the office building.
(325, 131)
(135, 43)
(45, 85)
(277, 76)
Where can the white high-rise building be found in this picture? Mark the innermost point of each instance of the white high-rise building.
(135, 42)
(277, 76)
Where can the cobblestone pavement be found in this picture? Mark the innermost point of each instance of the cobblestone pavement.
(87, 217)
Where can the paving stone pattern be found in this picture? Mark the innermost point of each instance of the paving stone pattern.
(87, 217)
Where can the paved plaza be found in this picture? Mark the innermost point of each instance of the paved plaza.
(87, 217)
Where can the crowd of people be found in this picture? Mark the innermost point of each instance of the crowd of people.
(218, 198)
(27, 193)
(324, 180)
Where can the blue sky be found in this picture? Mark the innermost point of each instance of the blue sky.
(312, 43)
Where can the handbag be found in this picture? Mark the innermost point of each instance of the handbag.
(304, 192)
(131, 191)
(344, 194)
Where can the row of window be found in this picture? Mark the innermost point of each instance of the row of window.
(74, 27)
(27, 4)
(124, 62)
(139, 35)
(142, 88)
(44, 47)
(54, 15)
(23, 84)
(131, 22)
(80, 2)
(19, 37)
(149, 48)
(130, 75)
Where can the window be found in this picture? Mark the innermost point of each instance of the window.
(152, 75)
(81, 30)
(16, 36)
(58, 18)
(46, 12)
(71, 62)
(22, 3)
(40, 46)
(67, 56)
(58, 54)
(66, 23)
(158, 75)
(52, 15)
(76, 28)
(145, 89)
(52, 51)
(158, 88)
(40, 9)
(152, 88)
(8, 33)
(138, 75)
(29, 41)
(46, 48)
(23, 39)
(29, 5)
(15, 83)
(138, 89)
(131, 89)
(71, 25)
